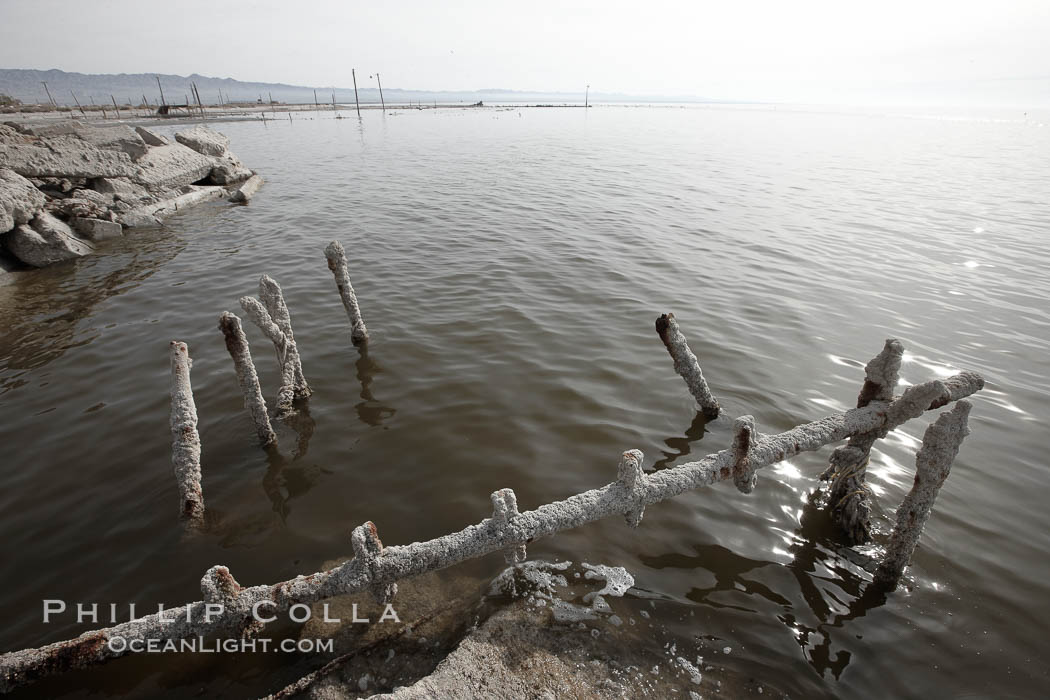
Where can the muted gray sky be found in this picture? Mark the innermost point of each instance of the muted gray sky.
(829, 51)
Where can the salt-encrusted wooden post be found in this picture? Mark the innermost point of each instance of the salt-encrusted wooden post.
(337, 264)
(272, 317)
(686, 364)
(848, 465)
(504, 510)
(367, 549)
(273, 298)
(247, 378)
(186, 442)
(744, 435)
(261, 318)
(933, 463)
(631, 478)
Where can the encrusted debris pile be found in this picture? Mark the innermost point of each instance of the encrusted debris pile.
(65, 186)
(544, 630)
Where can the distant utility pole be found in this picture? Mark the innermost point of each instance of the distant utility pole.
(270, 95)
(586, 97)
(381, 100)
(115, 105)
(161, 91)
(55, 104)
(78, 103)
(315, 98)
(356, 101)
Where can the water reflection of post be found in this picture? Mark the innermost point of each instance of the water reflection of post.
(272, 482)
(304, 426)
(284, 474)
(371, 411)
(694, 433)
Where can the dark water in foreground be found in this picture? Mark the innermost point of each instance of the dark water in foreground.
(510, 267)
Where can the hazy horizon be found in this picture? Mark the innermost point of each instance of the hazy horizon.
(931, 52)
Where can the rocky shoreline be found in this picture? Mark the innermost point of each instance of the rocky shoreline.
(65, 186)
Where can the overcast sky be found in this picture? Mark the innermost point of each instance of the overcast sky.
(890, 51)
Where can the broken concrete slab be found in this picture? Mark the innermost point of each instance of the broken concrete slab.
(151, 138)
(100, 198)
(245, 192)
(140, 217)
(194, 195)
(47, 128)
(83, 207)
(228, 173)
(97, 229)
(153, 214)
(114, 138)
(204, 140)
(11, 135)
(171, 166)
(44, 241)
(120, 187)
(19, 200)
(75, 159)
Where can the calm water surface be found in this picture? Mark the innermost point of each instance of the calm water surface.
(510, 265)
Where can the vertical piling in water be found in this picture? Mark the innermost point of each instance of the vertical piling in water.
(247, 378)
(272, 317)
(381, 100)
(186, 442)
(200, 105)
(686, 365)
(49, 97)
(631, 478)
(357, 102)
(337, 264)
(504, 511)
(933, 463)
(745, 436)
(848, 465)
(364, 539)
(261, 318)
(271, 295)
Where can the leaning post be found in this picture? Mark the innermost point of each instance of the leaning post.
(247, 378)
(273, 298)
(933, 463)
(337, 264)
(686, 365)
(261, 318)
(848, 465)
(186, 442)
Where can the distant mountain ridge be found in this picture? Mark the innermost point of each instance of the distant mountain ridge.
(27, 86)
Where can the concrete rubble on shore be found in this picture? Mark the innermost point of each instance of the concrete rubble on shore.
(65, 186)
(518, 641)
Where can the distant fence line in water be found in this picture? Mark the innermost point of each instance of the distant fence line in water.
(231, 609)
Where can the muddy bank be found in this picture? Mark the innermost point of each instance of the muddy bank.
(66, 186)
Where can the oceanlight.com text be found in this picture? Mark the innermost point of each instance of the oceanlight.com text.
(200, 645)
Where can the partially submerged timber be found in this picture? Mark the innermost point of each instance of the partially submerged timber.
(377, 569)
(64, 186)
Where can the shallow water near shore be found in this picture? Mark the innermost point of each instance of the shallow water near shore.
(510, 265)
